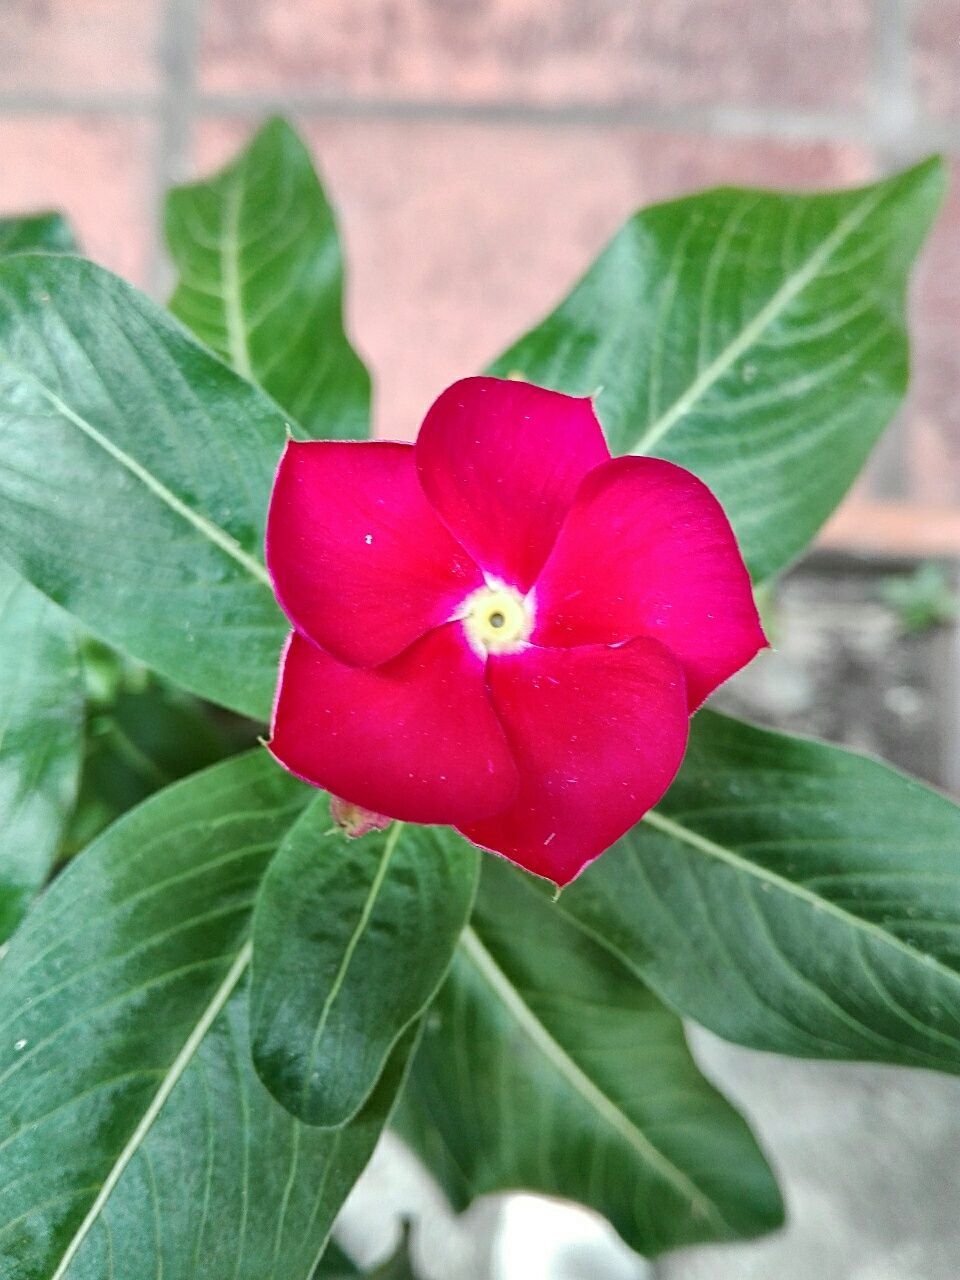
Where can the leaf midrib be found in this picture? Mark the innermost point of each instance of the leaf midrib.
(211, 531)
(471, 945)
(793, 285)
(237, 343)
(171, 1077)
(703, 844)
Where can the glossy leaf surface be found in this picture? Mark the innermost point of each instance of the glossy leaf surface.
(261, 281)
(351, 939)
(41, 695)
(791, 896)
(756, 338)
(546, 1065)
(134, 1133)
(135, 470)
(41, 740)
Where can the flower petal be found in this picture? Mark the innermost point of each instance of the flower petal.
(416, 739)
(501, 462)
(360, 563)
(648, 550)
(598, 734)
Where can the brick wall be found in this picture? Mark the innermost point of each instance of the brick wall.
(480, 151)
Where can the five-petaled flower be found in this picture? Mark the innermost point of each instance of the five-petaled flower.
(501, 627)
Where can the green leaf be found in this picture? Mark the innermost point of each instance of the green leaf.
(134, 1133)
(922, 599)
(38, 232)
(135, 471)
(351, 940)
(336, 1264)
(41, 740)
(756, 338)
(546, 1065)
(41, 697)
(791, 896)
(148, 735)
(261, 281)
(399, 1266)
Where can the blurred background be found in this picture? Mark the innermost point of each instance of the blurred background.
(480, 152)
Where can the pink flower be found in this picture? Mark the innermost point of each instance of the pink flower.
(500, 627)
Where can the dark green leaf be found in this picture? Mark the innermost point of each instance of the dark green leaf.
(546, 1065)
(791, 896)
(261, 281)
(337, 1265)
(351, 940)
(41, 699)
(146, 736)
(135, 471)
(399, 1266)
(135, 1138)
(756, 338)
(37, 232)
(41, 740)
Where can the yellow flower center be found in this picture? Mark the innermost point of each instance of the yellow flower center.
(498, 619)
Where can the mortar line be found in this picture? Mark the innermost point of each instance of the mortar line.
(895, 115)
(784, 124)
(177, 56)
(790, 124)
(82, 102)
(894, 107)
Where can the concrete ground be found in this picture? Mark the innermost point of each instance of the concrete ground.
(868, 1157)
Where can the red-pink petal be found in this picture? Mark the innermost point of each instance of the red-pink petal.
(648, 550)
(359, 560)
(501, 462)
(415, 739)
(598, 734)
